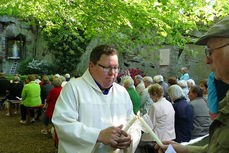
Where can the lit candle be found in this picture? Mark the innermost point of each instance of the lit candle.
(130, 123)
(147, 127)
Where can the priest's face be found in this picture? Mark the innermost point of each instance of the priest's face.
(105, 71)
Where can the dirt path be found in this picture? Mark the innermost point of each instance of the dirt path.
(18, 138)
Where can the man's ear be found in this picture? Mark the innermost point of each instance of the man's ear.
(91, 64)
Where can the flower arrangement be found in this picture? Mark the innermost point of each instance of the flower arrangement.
(132, 72)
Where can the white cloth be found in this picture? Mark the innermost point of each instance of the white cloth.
(162, 116)
(82, 111)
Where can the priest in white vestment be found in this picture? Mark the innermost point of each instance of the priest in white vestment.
(92, 111)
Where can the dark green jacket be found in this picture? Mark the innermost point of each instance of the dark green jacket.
(219, 132)
(135, 98)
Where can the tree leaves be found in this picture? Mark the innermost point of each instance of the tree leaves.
(172, 21)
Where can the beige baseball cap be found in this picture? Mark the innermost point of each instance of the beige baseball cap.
(220, 29)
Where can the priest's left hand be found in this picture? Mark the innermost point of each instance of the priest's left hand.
(124, 141)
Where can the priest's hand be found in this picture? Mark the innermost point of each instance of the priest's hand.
(111, 136)
(124, 141)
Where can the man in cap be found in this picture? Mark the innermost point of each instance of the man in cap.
(217, 52)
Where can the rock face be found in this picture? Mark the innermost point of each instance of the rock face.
(19, 41)
(166, 61)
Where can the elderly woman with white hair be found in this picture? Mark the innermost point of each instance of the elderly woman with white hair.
(139, 83)
(160, 80)
(183, 114)
(134, 96)
(190, 83)
(146, 101)
(161, 114)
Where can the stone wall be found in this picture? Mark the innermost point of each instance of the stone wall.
(148, 60)
(34, 46)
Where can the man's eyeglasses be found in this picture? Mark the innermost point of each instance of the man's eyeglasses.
(108, 69)
(208, 52)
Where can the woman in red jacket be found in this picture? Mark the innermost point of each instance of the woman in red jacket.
(50, 103)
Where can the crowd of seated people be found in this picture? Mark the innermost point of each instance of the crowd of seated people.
(191, 114)
(183, 108)
(176, 103)
(33, 92)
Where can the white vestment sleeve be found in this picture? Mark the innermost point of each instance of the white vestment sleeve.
(73, 135)
(82, 111)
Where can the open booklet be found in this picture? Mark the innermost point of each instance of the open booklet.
(194, 140)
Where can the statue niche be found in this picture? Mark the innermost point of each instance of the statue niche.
(15, 47)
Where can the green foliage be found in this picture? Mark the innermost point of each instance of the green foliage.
(67, 46)
(34, 66)
(126, 23)
(9, 77)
